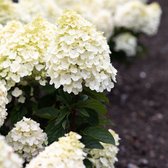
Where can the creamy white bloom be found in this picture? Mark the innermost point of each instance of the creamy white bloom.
(105, 158)
(21, 99)
(8, 159)
(80, 57)
(103, 21)
(27, 138)
(112, 5)
(8, 11)
(131, 15)
(3, 102)
(16, 92)
(138, 16)
(19, 94)
(153, 19)
(45, 8)
(89, 9)
(22, 50)
(126, 42)
(66, 153)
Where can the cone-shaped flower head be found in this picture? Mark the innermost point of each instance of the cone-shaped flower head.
(81, 57)
(27, 138)
(66, 153)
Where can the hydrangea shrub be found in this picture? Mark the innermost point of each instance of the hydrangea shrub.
(55, 71)
(53, 77)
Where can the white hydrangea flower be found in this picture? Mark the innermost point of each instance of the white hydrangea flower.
(27, 138)
(131, 15)
(139, 16)
(47, 9)
(66, 153)
(8, 159)
(153, 19)
(103, 21)
(17, 92)
(22, 50)
(126, 42)
(81, 56)
(105, 158)
(89, 9)
(112, 5)
(3, 102)
(21, 99)
(8, 11)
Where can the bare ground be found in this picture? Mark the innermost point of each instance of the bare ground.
(139, 104)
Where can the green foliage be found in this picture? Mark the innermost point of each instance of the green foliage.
(59, 112)
(99, 134)
(88, 164)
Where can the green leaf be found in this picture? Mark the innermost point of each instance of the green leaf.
(91, 143)
(48, 89)
(17, 114)
(94, 105)
(99, 96)
(64, 98)
(62, 115)
(47, 112)
(100, 134)
(84, 112)
(54, 131)
(88, 163)
(47, 100)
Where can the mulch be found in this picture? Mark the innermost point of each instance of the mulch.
(139, 104)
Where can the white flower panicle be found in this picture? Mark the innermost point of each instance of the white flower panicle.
(153, 19)
(8, 11)
(8, 159)
(103, 21)
(22, 50)
(126, 42)
(27, 138)
(105, 158)
(131, 15)
(112, 5)
(31, 8)
(89, 9)
(66, 153)
(138, 16)
(81, 56)
(3, 102)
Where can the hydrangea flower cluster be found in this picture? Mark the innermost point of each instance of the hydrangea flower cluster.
(112, 5)
(3, 102)
(22, 50)
(126, 42)
(7, 156)
(27, 138)
(8, 11)
(105, 158)
(66, 153)
(109, 13)
(81, 56)
(103, 20)
(139, 17)
(153, 19)
(46, 9)
(73, 53)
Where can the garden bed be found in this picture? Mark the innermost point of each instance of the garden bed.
(139, 104)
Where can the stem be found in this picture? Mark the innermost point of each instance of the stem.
(73, 123)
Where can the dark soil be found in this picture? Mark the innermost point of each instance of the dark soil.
(140, 104)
